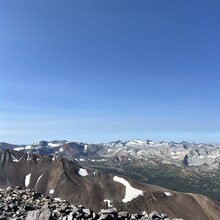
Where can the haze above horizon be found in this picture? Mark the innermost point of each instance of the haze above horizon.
(98, 71)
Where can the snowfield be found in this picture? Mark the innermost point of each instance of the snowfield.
(130, 192)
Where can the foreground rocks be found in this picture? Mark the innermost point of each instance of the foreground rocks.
(17, 203)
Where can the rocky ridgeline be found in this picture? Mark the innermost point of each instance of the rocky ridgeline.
(17, 203)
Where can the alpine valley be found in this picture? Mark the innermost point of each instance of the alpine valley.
(128, 175)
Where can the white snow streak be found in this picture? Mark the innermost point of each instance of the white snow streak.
(83, 172)
(39, 178)
(130, 192)
(27, 179)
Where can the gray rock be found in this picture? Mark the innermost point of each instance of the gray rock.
(108, 211)
(33, 215)
(70, 216)
(164, 215)
(3, 217)
(122, 214)
(45, 213)
(144, 214)
(106, 217)
(132, 216)
(86, 212)
(155, 216)
(19, 204)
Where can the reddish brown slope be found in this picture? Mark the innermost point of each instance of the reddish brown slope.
(58, 177)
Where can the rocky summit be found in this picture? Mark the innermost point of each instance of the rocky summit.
(18, 203)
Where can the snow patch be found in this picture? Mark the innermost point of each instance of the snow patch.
(18, 148)
(136, 142)
(130, 192)
(57, 199)
(102, 160)
(85, 147)
(82, 159)
(27, 179)
(51, 191)
(168, 193)
(28, 147)
(53, 145)
(176, 157)
(109, 202)
(61, 149)
(83, 172)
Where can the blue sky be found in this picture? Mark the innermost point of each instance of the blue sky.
(97, 71)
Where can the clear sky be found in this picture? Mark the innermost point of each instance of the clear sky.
(97, 71)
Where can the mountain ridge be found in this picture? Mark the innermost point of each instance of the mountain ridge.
(184, 166)
(59, 177)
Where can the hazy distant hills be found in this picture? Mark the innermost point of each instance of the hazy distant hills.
(61, 178)
(186, 167)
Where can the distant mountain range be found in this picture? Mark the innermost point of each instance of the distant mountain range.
(59, 177)
(190, 154)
